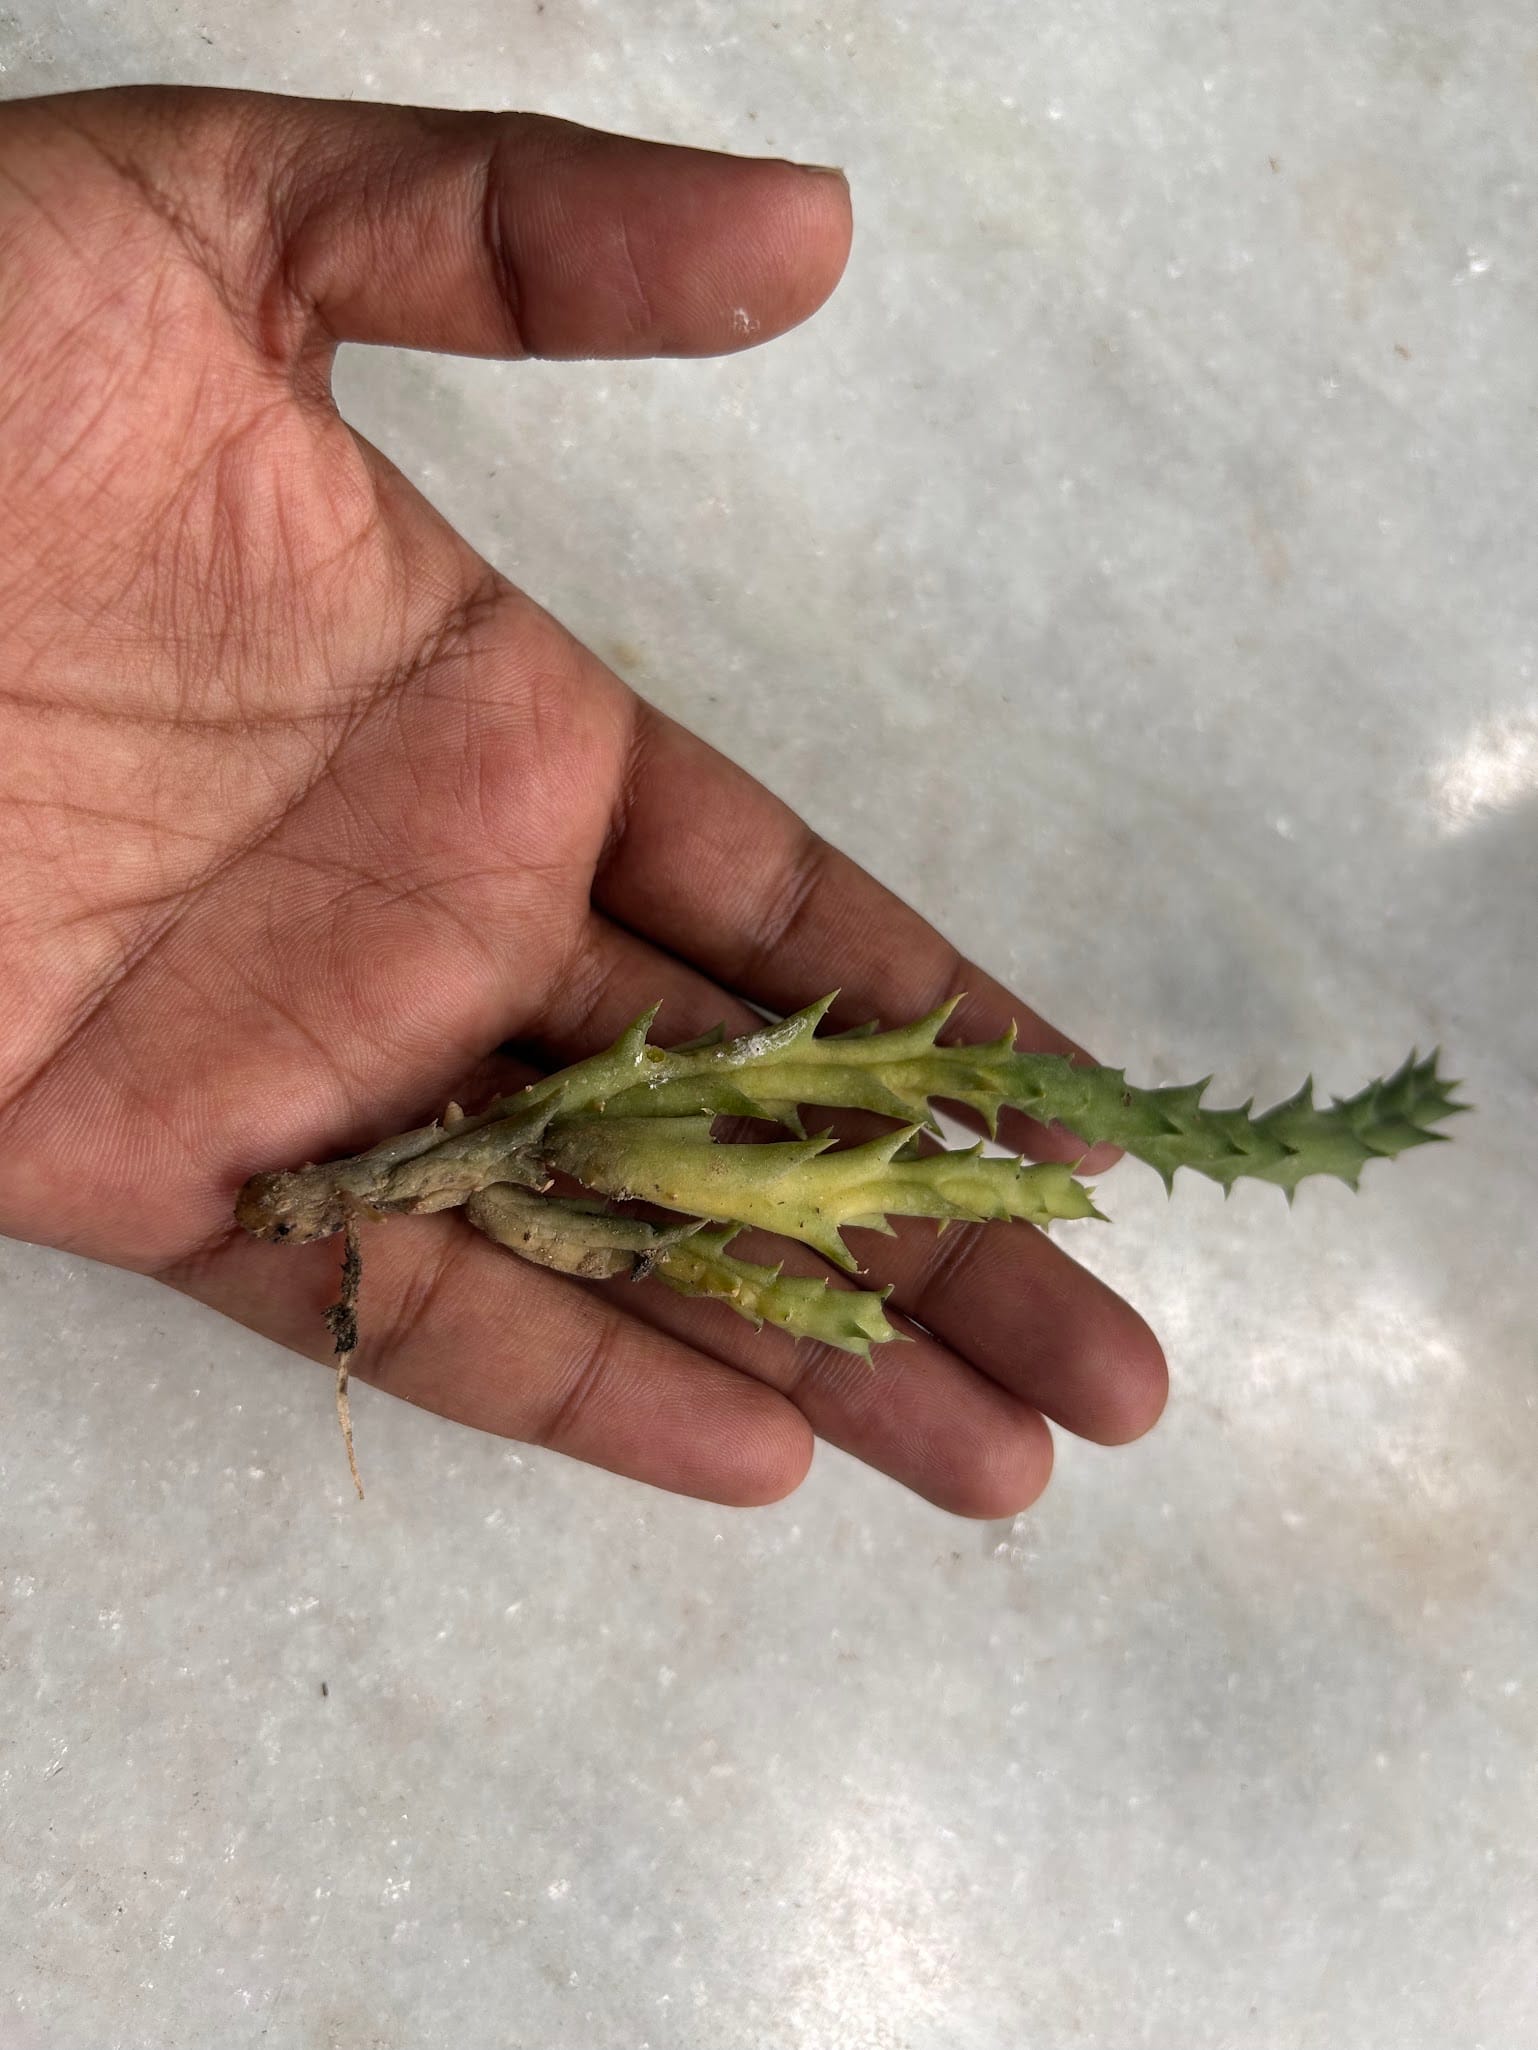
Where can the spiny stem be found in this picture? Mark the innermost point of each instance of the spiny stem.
(800, 1188)
(636, 1121)
(901, 1074)
(850, 1319)
(590, 1241)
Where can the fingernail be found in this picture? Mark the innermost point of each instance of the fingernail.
(819, 170)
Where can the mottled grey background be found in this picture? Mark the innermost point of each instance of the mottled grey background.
(1135, 565)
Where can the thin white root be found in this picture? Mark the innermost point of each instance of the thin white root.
(342, 1323)
(344, 1418)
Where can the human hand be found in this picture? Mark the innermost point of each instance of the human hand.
(303, 808)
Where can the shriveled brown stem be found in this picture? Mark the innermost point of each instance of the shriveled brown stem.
(585, 1239)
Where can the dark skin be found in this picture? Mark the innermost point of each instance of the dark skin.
(304, 809)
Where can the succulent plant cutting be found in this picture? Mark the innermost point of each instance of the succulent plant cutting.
(636, 1126)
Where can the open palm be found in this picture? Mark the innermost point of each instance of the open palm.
(304, 810)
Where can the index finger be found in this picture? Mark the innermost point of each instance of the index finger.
(707, 863)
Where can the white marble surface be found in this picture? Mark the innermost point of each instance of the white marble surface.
(1153, 512)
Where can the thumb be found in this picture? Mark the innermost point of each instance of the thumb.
(489, 234)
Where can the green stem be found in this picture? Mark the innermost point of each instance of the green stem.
(851, 1319)
(771, 1072)
(800, 1188)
